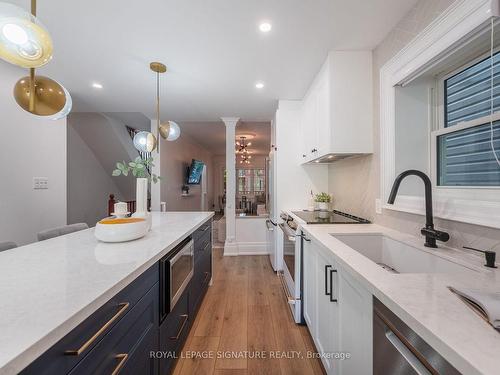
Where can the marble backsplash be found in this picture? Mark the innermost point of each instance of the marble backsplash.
(355, 183)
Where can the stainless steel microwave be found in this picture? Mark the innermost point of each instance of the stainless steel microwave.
(176, 271)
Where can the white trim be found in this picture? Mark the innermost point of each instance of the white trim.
(439, 37)
(252, 248)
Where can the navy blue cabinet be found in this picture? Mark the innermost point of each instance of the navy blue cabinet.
(173, 332)
(126, 347)
(77, 344)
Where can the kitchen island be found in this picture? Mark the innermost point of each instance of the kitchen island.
(52, 288)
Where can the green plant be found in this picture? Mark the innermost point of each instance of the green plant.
(322, 198)
(139, 168)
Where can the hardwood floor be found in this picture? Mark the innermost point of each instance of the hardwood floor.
(244, 326)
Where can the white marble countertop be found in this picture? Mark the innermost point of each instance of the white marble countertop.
(48, 288)
(423, 301)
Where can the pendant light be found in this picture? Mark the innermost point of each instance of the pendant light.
(169, 130)
(26, 43)
(145, 141)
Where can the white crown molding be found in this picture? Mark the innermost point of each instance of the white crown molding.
(440, 36)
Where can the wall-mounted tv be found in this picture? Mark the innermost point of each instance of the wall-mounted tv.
(194, 172)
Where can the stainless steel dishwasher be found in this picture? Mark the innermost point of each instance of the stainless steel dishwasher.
(399, 350)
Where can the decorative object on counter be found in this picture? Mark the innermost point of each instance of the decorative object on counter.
(310, 205)
(163, 206)
(486, 304)
(185, 190)
(323, 200)
(121, 229)
(25, 42)
(139, 169)
(120, 210)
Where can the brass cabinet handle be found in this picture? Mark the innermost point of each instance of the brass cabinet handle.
(205, 229)
(206, 246)
(185, 317)
(123, 358)
(123, 306)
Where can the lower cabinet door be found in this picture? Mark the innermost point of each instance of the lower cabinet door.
(173, 333)
(128, 344)
(327, 337)
(356, 332)
(201, 279)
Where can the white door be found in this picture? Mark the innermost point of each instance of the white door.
(355, 305)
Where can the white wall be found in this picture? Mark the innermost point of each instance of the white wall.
(251, 235)
(29, 147)
(88, 183)
(95, 143)
(176, 156)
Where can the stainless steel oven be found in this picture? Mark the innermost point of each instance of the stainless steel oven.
(176, 271)
(290, 276)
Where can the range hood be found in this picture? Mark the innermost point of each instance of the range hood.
(332, 158)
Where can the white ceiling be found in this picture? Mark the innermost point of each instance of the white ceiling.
(212, 48)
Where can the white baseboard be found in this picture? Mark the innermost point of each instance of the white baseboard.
(252, 248)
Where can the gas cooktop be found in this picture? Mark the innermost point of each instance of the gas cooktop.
(329, 217)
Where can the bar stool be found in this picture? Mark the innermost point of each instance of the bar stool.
(61, 231)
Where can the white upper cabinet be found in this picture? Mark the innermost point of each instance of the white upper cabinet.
(336, 118)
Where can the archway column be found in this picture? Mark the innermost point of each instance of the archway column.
(230, 246)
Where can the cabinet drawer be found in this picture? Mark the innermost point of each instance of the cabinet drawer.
(203, 243)
(202, 230)
(132, 338)
(173, 332)
(68, 351)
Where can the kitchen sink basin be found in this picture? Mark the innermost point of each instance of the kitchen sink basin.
(399, 257)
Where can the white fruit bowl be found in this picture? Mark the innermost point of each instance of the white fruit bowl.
(120, 229)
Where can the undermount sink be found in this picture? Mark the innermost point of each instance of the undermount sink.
(399, 257)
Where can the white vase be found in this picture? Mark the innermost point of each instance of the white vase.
(323, 206)
(141, 201)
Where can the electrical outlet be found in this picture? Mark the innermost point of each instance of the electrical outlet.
(40, 183)
(378, 206)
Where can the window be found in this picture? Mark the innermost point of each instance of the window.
(250, 181)
(465, 143)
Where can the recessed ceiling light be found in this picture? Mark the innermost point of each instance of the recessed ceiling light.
(259, 85)
(96, 85)
(265, 27)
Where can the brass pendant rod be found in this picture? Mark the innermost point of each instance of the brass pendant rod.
(32, 70)
(32, 90)
(158, 111)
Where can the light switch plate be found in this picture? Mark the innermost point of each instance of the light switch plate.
(378, 206)
(40, 183)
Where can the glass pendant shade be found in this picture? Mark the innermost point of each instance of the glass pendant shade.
(24, 41)
(50, 96)
(170, 131)
(145, 141)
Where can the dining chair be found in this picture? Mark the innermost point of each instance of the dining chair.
(60, 231)
(7, 245)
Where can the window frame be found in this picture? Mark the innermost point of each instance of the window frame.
(439, 126)
(479, 206)
(252, 181)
